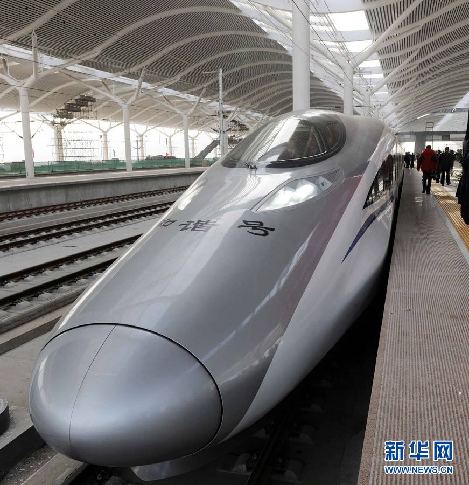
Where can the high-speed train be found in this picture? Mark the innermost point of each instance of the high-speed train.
(229, 301)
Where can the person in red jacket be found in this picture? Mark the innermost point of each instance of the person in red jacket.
(428, 163)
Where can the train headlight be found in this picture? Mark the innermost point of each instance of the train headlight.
(296, 192)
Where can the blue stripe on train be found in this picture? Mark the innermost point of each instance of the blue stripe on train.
(370, 219)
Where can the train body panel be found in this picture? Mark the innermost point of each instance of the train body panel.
(254, 261)
(341, 287)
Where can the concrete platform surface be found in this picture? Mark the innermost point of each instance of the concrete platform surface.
(16, 367)
(20, 194)
(9, 183)
(15, 370)
(421, 381)
(44, 467)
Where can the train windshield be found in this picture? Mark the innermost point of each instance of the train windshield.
(292, 141)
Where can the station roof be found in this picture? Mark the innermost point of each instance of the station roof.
(425, 61)
(411, 54)
(178, 45)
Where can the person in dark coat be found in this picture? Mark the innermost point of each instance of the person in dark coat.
(407, 159)
(463, 188)
(436, 173)
(428, 163)
(412, 160)
(445, 165)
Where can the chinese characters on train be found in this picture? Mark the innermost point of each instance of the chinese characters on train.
(256, 228)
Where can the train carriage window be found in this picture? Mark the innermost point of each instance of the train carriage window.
(290, 141)
(383, 182)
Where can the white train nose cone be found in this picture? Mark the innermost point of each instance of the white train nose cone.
(120, 396)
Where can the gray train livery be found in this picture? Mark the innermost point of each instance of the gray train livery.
(228, 302)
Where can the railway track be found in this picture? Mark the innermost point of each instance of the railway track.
(20, 214)
(36, 291)
(30, 237)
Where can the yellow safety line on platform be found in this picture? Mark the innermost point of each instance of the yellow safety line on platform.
(452, 209)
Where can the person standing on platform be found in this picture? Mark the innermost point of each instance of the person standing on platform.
(463, 188)
(412, 160)
(407, 159)
(437, 170)
(428, 163)
(445, 165)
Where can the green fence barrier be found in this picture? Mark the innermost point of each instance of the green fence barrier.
(16, 169)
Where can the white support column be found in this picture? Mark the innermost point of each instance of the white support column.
(170, 144)
(420, 142)
(105, 141)
(193, 146)
(128, 151)
(301, 54)
(59, 142)
(348, 89)
(35, 54)
(26, 124)
(141, 154)
(221, 122)
(187, 157)
(225, 136)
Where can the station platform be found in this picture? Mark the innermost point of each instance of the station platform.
(421, 380)
(22, 193)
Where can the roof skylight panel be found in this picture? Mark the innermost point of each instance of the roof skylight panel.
(371, 63)
(350, 21)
